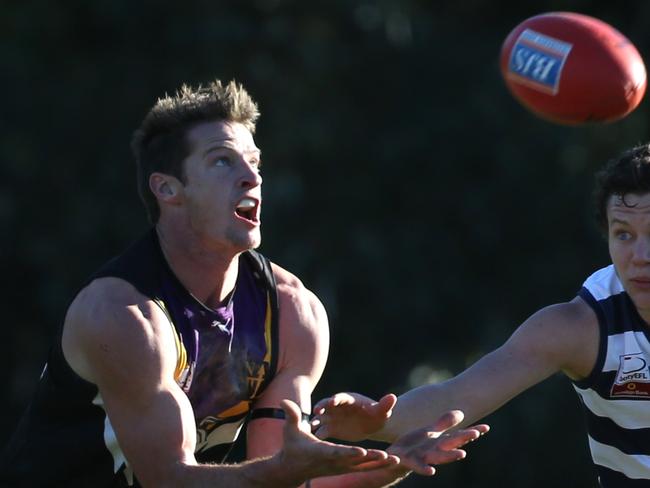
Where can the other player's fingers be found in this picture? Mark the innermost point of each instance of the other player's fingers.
(334, 401)
(461, 437)
(448, 420)
(319, 408)
(482, 428)
(385, 405)
(322, 432)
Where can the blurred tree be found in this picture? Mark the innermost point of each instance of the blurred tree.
(427, 209)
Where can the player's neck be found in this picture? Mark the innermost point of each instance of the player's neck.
(209, 275)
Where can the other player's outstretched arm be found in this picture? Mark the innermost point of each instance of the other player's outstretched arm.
(122, 342)
(561, 337)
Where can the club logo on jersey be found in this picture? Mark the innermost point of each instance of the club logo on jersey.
(632, 377)
(537, 60)
(256, 374)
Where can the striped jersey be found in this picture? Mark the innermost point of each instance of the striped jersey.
(225, 359)
(616, 395)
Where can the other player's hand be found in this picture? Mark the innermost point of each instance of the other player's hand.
(351, 416)
(419, 449)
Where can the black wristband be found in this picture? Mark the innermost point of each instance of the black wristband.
(273, 413)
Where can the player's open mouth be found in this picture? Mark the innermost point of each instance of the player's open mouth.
(248, 209)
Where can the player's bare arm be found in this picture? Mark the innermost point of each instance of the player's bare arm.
(303, 349)
(561, 337)
(123, 342)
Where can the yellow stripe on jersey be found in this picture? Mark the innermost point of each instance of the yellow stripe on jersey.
(267, 330)
(240, 408)
(181, 352)
(181, 355)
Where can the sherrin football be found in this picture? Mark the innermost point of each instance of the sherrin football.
(571, 68)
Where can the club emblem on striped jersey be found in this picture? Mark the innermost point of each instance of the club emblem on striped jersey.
(632, 377)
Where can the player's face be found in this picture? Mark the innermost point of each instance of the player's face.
(629, 246)
(223, 185)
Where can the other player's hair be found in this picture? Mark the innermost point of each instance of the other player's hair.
(160, 143)
(629, 173)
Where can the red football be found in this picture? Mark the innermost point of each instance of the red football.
(571, 68)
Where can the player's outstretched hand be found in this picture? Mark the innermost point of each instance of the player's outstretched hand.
(309, 457)
(351, 416)
(434, 444)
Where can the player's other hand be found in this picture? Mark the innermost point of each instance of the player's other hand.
(351, 416)
(309, 457)
(419, 449)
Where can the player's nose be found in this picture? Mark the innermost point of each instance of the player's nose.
(641, 250)
(250, 177)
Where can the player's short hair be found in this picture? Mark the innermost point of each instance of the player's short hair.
(627, 174)
(160, 143)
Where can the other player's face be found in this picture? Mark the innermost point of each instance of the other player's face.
(223, 192)
(629, 246)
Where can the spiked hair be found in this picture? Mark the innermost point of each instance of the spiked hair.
(160, 143)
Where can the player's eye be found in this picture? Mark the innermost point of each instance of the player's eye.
(222, 161)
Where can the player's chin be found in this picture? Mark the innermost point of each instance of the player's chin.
(246, 240)
(255, 242)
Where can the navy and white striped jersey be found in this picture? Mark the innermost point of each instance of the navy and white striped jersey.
(616, 395)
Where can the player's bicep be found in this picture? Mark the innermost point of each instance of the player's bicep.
(553, 339)
(556, 338)
(561, 337)
(303, 345)
(132, 358)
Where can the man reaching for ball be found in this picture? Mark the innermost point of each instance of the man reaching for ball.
(599, 340)
(171, 347)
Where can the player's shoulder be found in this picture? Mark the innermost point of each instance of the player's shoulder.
(563, 336)
(285, 278)
(298, 304)
(573, 316)
(108, 303)
(303, 326)
(291, 289)
(111, 317)
(569, 326)
(560, 329)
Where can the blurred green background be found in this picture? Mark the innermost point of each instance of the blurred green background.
(403, 184)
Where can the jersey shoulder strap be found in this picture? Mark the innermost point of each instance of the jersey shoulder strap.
(263, 275)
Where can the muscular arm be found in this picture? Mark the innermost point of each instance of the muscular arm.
(303, 349)
(122, 342)
(562, 337)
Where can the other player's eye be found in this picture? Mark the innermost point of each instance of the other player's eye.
(256, 163)
(622, 235)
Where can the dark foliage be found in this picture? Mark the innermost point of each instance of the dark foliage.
(403, 184)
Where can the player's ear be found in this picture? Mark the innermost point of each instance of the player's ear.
(166, 188)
